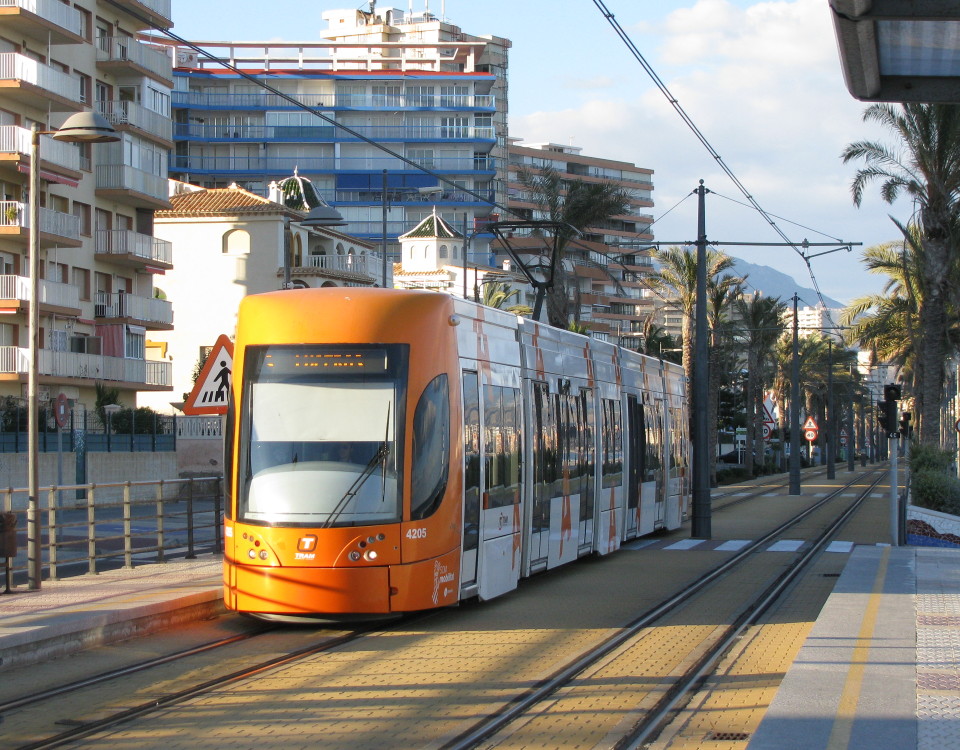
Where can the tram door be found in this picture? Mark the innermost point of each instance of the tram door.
(471, 480)
(636, 450)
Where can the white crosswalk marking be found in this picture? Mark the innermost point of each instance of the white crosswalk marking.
(733, 545)
(786, 545)
(839, 547)
(685, 544)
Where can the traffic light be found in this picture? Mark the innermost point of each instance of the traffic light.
(883, 416)
(892, 392)
(905, 429)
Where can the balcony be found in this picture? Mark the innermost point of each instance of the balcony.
(330, 133)
(158, 11)
(271, 166)
(43, 20)
(37, 85)
(201, 100)
(63, 158)
(156, 314)
(133, 249)
(133, 373)
(56, 228)
(130, 116)
(124, 54)
(367, 265)
(54, 296)
(132, 185)
(408, 197)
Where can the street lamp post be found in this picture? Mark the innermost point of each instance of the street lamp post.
(83, 127)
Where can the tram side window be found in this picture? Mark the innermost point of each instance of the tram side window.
(612, 440)
(653, 464)
(544, 455)
(678, 455)
(570, 446)
(511, 445)
(586, 419)
(501, 445)
(471, 459)
(431, 448)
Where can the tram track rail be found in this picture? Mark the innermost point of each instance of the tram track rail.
(653, 718)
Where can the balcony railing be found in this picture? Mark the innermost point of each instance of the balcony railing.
(133, 114)
(397, 198)
(123, 177)
(200, 100)
(285, 165)
(350, 263)
(57, 13)
(51, 292)
(324, 132)
(15, 360)
(160, 7)
(15, 214)
(17, 67)
(122, 305)
(127, 242)
(124, 49)
(16, 140)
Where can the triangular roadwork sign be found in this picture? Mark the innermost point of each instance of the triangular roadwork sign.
(212, 389)
(810, 424)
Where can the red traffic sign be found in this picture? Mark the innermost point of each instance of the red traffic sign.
(61, 411)
(810, 424)
(212, 389)
(767, 430)
(810, 435)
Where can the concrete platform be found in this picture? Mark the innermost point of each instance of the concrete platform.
(75, 613)
(881, 667)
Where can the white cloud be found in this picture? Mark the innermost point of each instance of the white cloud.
(764, 85)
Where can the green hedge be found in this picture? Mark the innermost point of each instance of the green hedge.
(936, 490)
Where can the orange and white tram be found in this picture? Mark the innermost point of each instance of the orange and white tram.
(391, 451)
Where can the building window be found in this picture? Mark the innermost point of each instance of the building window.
(82, 212)
(134, 342)
(236, 242)
(443, 251)
(81, 280)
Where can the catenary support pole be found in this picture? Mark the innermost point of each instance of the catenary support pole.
(701, 468)
(795, 406)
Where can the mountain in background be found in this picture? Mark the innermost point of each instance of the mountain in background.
(773, 283)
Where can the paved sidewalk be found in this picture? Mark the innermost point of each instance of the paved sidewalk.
(881, 667)
(82, 611)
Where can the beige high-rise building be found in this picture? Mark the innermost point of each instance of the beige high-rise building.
(98, 256)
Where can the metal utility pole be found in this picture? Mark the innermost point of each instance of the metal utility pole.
(830, 432)
(795, 405)
(383, 241)
(700, 528)
(851, 441)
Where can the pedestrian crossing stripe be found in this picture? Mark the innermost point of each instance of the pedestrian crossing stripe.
(786, 545)
(212, 390)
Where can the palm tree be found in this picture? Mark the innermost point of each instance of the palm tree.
(574, 205)
(925, 165)
(762, 324)
(722, 295)
(676, 281)
(498, 293)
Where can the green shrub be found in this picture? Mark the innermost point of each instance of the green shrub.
(930, 457)
(732, 476)
(936, 490)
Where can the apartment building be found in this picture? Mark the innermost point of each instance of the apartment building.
(408, 82)
(609, 261)
(98, 254)
(816, 319)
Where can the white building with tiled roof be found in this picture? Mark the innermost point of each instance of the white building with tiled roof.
(434, 255)
(230, 244)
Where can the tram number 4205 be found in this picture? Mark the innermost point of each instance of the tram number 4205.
(416, 533)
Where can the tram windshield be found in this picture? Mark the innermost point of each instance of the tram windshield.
(321, 446)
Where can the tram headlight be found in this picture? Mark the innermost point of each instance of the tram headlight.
(252, 554)
(354, 556)
(370, 554)
(263, 554)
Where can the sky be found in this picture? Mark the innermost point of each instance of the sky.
(761, 81)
